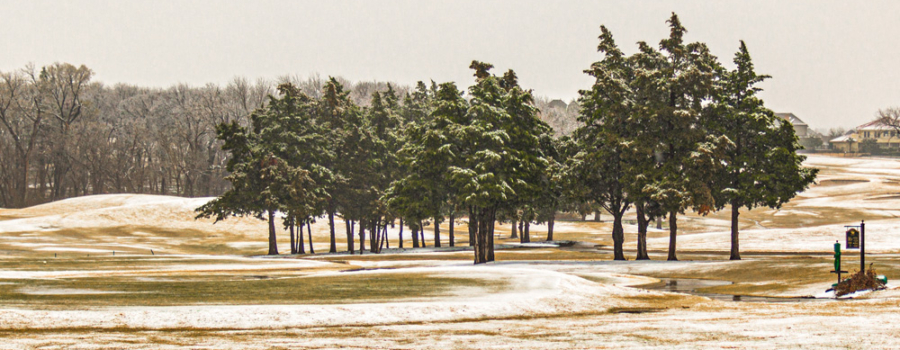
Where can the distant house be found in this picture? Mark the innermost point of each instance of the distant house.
(558, 104)
(885, 137)
(809, 140)
(800, 128)
(845, 143)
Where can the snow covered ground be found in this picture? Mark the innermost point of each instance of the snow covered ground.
(882, 236)
(529, 292)
(540, 297)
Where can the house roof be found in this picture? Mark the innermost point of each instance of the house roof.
(874, 125)
(558, 104)
(844, 138)
(791, 118)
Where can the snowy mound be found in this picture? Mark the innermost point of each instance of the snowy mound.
(95, 202)
(101, 211)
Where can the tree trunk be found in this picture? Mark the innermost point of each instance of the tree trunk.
(450, 232)
(376, 228)
(349, 225)
(481, 237)
(373, 239)
(618, 235)
(514, 230)
(583, 217)
(362, 236)
(22, 183)
(333, 247)
(437, 233)
(293, 246)
(309, 234)
(273, 243)
(300, 248)
(597, 215)
(642, 233)
(400, 239)
(379, 234)
(473, 226)
(673, 230)
(384, 237)
(384, 231)
(415, 235)
(526, 232)
(422, 234)
(550, 223)
(484, 237)
(735, 249)
(490, 241)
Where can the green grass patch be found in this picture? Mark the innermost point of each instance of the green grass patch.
(105, 261)
(249, 288)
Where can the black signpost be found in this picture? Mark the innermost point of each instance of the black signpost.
(862, 246)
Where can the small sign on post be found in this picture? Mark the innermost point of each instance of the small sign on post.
(852, 238)
(856, 239)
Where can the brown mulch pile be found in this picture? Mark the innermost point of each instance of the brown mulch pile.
(859, 281)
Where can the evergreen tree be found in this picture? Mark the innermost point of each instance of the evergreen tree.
(644, 156)
(266, 164)
(431, 148)
(675, 85)
(552, 197)
(246, 167)
(346, 139)
(484, 154)
(289, 128)
(502, 159)
(763, 167)
(383, 123)
(409, 196)
(600, 171)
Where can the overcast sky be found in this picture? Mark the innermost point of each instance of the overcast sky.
(834, 63)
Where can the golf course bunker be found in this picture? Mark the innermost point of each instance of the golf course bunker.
(692, 285)
(837, 182)
(892, 196)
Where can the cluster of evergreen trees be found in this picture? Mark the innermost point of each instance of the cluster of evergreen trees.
(663, 131)
(669, 130)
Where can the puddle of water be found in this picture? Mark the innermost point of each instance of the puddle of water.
(634, 310)
(690, 286)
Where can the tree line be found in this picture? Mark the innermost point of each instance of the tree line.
(64, 135)
(663, 131)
